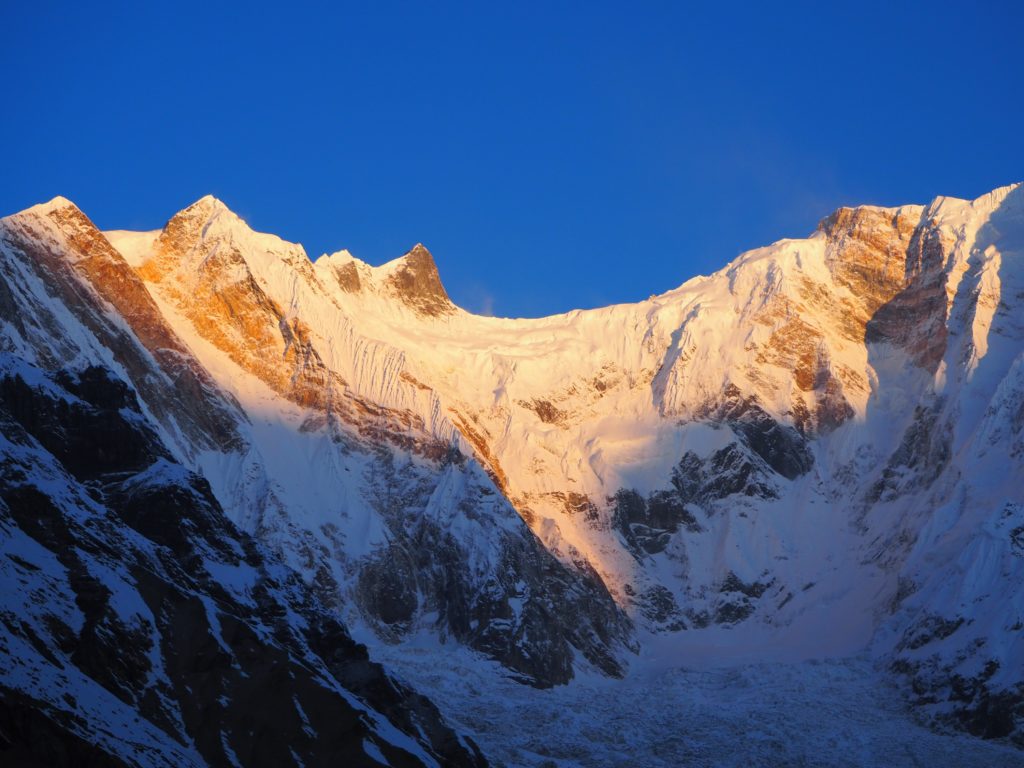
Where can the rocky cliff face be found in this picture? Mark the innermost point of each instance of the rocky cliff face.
(388, 517)
(445, 549)
(817, 447)
(140, 627)
(69, 296)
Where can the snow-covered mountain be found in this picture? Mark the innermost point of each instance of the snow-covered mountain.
(815, 451)
(138, 625)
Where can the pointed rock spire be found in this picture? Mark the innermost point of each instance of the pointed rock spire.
(417, 282)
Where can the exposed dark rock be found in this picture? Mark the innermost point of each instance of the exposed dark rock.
(580, 504)
(659, 606)
(738, 596)
(418, 284)
(347, 276)
(994, 715)
(87, 432)
(977, 708)
(388, 588)
(929, 629)
(915, 318)
(35, 735)
(647, 524)
(698, 619)
(257, 672)
(531, 614)
(867, 253)
(728, 471)
(545, 410)
(1017, 540)
(733, 583)
(833, 409)
(926, 449)
(783, 448)
(733, 612)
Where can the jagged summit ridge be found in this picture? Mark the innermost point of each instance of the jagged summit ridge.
(413, 278)
(421, 283)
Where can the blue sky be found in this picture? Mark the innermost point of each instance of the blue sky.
(551, 155)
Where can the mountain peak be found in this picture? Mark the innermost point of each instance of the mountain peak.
(58, 203)
(418, 258)
(193, 222)
(207, 202)
(56, 215)
(415, 279)
(205, 208)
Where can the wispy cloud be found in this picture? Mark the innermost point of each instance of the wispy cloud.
(476, 298)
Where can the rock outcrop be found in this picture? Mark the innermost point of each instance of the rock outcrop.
(140, 626)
